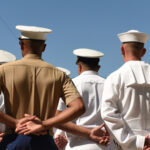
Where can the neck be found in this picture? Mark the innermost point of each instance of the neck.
(29, 52)
(132, 59)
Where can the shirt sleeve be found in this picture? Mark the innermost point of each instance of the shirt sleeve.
(70, 92)
(120, 131)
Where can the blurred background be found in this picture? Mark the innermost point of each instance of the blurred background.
(76, 24)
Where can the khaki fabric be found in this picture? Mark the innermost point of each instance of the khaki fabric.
(33, 86)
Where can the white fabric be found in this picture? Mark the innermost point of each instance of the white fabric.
(32, 32)
(64, 70)
(2, 108)
(89, 53)
(90, 86)
(6, 56)
(133, 36)
(126, 104)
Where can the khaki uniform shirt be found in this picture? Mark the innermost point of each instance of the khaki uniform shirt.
(33, 86)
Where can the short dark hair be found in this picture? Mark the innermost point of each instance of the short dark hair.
(89, 62)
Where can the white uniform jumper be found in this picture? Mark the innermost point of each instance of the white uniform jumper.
(126, 105)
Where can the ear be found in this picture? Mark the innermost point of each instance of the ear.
(44, 46)
(98, 68)
(143, 52)
(79, 68)
(122, 50)
(21, 44)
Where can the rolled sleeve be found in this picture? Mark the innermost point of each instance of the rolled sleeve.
(70, 92)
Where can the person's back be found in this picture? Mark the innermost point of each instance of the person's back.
(90, 86)
(133, 82)
(126, 100)
(33, 87)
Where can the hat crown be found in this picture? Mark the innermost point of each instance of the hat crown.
(89, 53)
(130, 31)
(64, 70)
(133, 36)
(33, 32)
(6, 56)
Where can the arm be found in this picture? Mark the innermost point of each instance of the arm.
(75, 109)
(8, 120)
(102, 137)
(112, 116)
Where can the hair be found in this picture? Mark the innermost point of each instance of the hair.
(88, 62)
(134, 47)
(36, 46)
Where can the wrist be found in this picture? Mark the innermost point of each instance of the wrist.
(15, 123)
(88, 134)
(44, 125)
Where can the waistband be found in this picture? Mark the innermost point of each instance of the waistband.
(12, 131)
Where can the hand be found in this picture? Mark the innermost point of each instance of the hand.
(60, 141)
(21, 121)
(1, 136)
(30, 124)
(100, 135)
(147, 143)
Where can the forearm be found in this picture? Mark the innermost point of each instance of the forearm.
(8, 120)
(75, 109)
(75, 129)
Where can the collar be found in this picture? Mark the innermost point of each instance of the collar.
(90, 72)
(31, 56)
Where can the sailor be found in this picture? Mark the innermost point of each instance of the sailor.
(90, 86)
(32, 86)
(126, 96)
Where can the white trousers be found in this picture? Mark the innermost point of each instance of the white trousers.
(81, 143)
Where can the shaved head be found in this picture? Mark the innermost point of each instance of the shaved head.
(32, 46)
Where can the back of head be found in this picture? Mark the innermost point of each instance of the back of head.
(133, 44)
(33, 38)
(88, 62)
(34, 45)
(88, 57)
(134, 48)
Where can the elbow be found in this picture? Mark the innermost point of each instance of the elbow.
(81, 108)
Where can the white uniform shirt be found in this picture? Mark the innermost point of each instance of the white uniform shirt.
(90, 86)
(126, 104)
(2, 108)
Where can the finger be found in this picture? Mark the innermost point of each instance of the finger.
(2, 134)
(23, 131)
(95, 138)
(30, 117)
(27, 115)
(20, 127)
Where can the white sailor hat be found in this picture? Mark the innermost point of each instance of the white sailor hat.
(88, 53)
(32, 32)
(6, 57)
(64, 70)
(133, 36)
